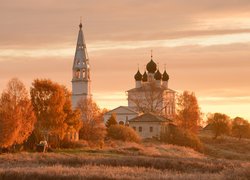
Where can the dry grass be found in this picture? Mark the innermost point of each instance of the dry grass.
(82, 165)
(226, 147)
(125, 161)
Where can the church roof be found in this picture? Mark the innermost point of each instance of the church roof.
(165, 76)
(150, 117)
(81, 54)
(151, 66)
(145, 77)
(138, 76)
(125, 109)
(158, 75)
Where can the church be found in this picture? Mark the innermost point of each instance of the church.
(151, 103)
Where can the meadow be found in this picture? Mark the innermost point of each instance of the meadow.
(226, 158)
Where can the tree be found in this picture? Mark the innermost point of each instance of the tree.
(93, 129)
(220, 124)
(52, 105)
(148, 98)
(17, 118)
(73, 117)
(111, 121)
(240, 128)
(188, 112)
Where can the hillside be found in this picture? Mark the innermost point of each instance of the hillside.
(122, 161)
(226, 147)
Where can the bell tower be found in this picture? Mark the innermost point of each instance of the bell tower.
(81, 71)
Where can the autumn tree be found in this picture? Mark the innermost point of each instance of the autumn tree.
(220, 124)
(73, 117)
(52, 106)
(188, 112)
(93, 129)
(111, 121)
(17, 118)
(240, 128)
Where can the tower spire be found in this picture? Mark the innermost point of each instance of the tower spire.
(80, 25)
(81, 70)
(151, 54)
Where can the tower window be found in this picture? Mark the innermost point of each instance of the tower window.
(140, 129)
(151, 129)
(78, 73)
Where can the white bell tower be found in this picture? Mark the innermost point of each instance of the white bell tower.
(81, 71)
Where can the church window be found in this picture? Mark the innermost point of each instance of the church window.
(77, 73)
(126, 118)
(134, 128)
(83, 74)
(78, 62)
(140, 129)
(151, 129)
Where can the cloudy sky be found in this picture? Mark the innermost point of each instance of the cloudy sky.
(205, 45)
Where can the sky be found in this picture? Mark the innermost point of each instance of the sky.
(204, 44)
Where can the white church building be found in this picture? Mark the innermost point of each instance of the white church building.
(151, 94)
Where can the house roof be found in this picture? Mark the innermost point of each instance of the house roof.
(126, 108)
(150, 117)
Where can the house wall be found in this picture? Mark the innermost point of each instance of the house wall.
(145, 129)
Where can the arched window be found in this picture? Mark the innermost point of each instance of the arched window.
(78, 73)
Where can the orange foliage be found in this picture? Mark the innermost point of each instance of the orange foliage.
(17, 118)
(188, 112)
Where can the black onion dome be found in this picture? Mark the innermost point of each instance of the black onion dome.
(151, 66)
(158, 75)
(165, 76)
(138, 76)
(145, 77)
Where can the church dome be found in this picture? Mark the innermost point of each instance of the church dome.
(138, 76)
(158, 75)
(165, 76)
(151, 66)
(145, 77)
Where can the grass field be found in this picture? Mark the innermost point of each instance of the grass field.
(222, 159)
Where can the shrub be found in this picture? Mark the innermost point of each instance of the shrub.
(181, 137)
(123, 133)
(111, 121)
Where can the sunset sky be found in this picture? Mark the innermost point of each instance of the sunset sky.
(205, 45)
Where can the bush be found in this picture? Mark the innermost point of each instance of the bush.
(182, 137)
(123, 133)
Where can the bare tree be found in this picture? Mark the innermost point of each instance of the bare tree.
(93, 129)
(148, 98)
